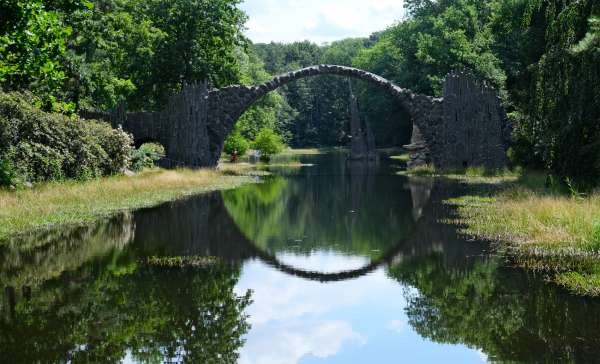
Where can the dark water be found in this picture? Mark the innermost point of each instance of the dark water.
(334, 263)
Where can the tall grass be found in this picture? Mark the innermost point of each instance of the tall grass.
(79, 202)
(542, 227)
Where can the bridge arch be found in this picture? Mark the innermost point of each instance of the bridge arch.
(227, 105)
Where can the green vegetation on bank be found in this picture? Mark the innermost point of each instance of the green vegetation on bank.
(471, 175)
(36, 146)
(74, 202)
(551, 229)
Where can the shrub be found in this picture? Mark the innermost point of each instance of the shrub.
(235, 142)
(147, 155)
(47, 146)
(117, 144)
(268, 143)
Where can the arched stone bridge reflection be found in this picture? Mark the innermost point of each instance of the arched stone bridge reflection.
(204, 227)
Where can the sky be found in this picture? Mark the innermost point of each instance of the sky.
(320, 21)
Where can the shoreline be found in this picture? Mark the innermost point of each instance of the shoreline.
(69, 203)
(541, 229)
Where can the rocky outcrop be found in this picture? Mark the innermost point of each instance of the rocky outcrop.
(362, 143)
(418, 149)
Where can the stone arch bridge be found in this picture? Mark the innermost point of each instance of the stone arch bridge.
(465, 127)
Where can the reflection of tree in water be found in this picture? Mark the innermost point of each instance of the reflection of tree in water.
(84, 298)
(326, 209)
(35, 258)
(509, 315)
(155, 314)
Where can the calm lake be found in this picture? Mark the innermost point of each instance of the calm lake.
(335, 262)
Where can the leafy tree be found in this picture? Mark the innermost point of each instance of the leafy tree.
(200, 42)
(32, 40)
(268, 143)
(272, 111)
(110, 54)
(236, 143)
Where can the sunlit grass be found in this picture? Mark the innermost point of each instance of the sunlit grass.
(304, 151)
(541, 229)
(402, 157)
(471, 175)
(79, 202)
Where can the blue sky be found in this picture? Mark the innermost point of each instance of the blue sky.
(319, 21)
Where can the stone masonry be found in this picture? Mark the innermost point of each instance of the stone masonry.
(466, 127)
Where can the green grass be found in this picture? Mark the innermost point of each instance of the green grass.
(182, 262)
(405, 157)
(538, 228)
(75, 202)
(304, 151)
(471, 175)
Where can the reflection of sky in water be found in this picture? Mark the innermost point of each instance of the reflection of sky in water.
(357, 321)
(323, 261)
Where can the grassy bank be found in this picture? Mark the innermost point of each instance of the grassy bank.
(541, 229)
(471, 175)
(80, 202)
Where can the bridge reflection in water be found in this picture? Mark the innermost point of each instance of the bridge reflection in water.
(85, 294)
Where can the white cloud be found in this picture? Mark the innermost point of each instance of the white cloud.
(318, 20)
(397, 325)
(289, 344)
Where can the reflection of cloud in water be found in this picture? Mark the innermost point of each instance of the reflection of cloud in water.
(292, 341)
(290, 316)
(323, 262)
(278, 296)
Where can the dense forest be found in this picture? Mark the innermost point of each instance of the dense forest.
(543, 56)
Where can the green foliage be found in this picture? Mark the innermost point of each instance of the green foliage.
(45, 146)
(32, 40)
(8, 176)
(560, 112)
(591, 42)
(272, 111)
(267, 142)
(200, 42)
(320, 105)
(235, 142)
(146, 156)
(95, 55)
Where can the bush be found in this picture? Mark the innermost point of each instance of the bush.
(147, 155)
(235, 142)
(47, 146)
(267, 142)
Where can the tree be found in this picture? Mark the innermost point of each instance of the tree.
(32, 40)
(267, 142)
(201, 38)
(236, 143)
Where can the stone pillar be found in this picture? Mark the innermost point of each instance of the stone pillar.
(362, 144)
(418, 149)
(474, 132)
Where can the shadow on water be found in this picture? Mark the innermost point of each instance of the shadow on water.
(84, 294)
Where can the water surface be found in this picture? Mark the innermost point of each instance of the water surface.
(337, 262)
